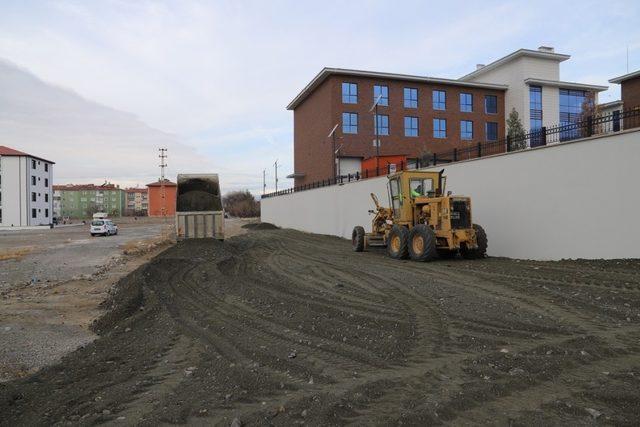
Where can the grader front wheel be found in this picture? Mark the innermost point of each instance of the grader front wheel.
(422, 243)
(482, 241)
(357, 238)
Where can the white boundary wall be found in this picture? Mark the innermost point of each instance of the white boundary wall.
(573, 200)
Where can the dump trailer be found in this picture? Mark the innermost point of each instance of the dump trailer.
(199, 212)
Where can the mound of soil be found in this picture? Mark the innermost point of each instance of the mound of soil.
(293, 328)
(261, 226)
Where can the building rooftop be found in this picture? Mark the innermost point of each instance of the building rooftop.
(167, 183)
(624, 77)
(8, 151)
(135, 190)
(565, 85)
(326, 72)
(80, 187)
(543, 52)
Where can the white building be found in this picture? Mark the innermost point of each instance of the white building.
(535, 89)
(26, 189)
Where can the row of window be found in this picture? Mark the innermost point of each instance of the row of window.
(33, 165)
(33, 181)
(35, 199)
(35, 215)
(439, 98)
(350, 126)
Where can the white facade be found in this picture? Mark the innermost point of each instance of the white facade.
(525, 68)
(26, 191)
(566, 200)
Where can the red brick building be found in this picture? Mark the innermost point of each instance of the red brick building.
(416, 116)
(159, 205)
(629, 89)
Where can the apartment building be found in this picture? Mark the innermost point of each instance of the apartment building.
(535, 89)
(415, 116)
(629, 89)
(26, 189)
(137, 201)
(83, 200)
(162, 198)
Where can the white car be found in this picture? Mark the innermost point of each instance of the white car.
(105, 227)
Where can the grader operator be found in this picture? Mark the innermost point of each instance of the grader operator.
(422, 223)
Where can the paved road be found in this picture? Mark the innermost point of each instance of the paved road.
(66, 252)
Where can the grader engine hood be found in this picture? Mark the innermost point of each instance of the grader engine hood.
(460, 213)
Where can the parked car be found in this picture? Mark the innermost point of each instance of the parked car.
(104, 227)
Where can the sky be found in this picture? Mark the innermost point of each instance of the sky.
(211, 79)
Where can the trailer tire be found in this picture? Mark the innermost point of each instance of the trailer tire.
(422, 243)
(398, 242)
(357, 238)
(483, 243)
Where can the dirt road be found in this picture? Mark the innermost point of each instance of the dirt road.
(280, 327)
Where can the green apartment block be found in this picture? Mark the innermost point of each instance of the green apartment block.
(82, 201)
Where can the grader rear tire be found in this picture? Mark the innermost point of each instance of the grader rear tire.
(357, 238)
(422, 243)
(398, 241)
(481, 250)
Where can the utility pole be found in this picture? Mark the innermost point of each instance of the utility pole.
(276, 167)
(163, 165)
(332, 134)
(264, 181)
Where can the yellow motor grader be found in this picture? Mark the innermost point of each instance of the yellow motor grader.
(422, 223)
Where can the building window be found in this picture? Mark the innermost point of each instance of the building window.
(439, 128)
(33, 197)
(33, 164)
(410, 126)
(46, 197)
(349, 93)
(349, 123)
(46, 182)
(33, 213)
(382, 122)
(46, 213)
(383, 93)
(491, 104)
(466, 129)
(33, 180)
(46, 167)
(439, 100)
(466, 102)
(492, 131)
(410, 97)
(535, 107)
(571, 106)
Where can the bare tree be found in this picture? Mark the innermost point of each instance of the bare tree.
(241, 204)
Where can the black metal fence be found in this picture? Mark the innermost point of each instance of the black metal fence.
(599, 124)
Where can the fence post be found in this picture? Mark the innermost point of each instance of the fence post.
(508, 141)
(435, 159)
(590, 126)
(455, 154)
(543, 135)
(479, 149)
(616, 121)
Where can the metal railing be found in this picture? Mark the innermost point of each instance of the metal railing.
(599, 124)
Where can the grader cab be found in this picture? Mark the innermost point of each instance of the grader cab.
(422, 222)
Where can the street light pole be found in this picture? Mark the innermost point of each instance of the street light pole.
(374, 108)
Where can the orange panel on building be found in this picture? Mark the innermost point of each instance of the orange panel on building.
(155, 198)
(369, 165)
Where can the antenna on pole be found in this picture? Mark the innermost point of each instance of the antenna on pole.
(163, 165)
(264, 181)
(332, 135)
(374, 108)
(627, 59)
(276, 167)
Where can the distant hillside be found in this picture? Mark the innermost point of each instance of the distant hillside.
(89, 142)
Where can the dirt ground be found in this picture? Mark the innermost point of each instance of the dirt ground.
(281, 327)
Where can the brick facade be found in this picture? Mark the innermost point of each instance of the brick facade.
(316, 115)
(630, 91)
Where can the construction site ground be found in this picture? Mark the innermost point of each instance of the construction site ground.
(282, 327)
